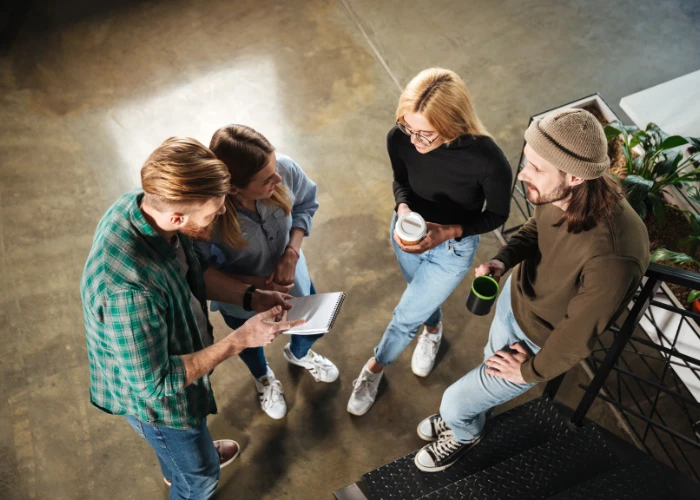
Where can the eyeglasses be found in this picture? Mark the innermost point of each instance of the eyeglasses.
(422, 139)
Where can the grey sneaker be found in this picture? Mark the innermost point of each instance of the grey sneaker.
(364, 391)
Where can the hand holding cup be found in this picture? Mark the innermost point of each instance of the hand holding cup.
(494, 267)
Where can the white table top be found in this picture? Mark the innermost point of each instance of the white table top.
(674, 106)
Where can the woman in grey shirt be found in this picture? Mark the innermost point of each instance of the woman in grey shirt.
(258, 240)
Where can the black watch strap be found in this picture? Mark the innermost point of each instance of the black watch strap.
(248, 298)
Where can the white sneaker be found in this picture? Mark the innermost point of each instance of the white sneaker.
(364, 391)
(319, 366)
(271, 395)
(423, 358)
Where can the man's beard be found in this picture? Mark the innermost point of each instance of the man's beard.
(558, 194)
(198, 233)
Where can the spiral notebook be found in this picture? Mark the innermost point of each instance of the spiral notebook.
(319, 311)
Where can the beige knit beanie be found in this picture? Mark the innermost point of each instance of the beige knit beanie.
(572, 140)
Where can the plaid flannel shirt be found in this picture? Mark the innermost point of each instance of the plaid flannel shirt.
(139, 321)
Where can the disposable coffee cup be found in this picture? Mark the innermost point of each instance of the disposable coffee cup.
(482, 295)
(411, 228)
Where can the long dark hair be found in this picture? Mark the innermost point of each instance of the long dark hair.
(591, 202)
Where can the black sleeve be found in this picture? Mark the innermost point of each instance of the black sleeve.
(496, 182)
(402, 189)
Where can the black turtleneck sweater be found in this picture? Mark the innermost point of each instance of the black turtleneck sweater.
(450, 184)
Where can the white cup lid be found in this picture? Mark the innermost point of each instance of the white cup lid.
(411, 227)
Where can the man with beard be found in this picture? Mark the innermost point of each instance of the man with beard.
(577, 262)
(150, 344)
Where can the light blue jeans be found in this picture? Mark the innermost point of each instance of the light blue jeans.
(432, 276)
(466, 403)
(187, 457)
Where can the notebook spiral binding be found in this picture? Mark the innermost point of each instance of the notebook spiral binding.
(338, 304)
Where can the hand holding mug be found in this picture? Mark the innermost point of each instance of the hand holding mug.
(494, 267)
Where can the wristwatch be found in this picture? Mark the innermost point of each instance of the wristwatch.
(248, 298)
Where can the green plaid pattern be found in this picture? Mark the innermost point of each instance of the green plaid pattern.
(139, 321)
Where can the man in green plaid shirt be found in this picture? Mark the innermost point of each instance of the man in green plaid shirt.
(150, 344)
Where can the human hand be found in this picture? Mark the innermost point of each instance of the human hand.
(263, 328)
(436, 235)
(493, 266)
(267, 299)
(285, 268)
(506, 365)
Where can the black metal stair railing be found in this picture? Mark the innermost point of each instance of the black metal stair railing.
(651, 382)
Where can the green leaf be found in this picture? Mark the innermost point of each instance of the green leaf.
(666, 166)
(653, 138)
(663, 254)
(693, 193)
(693, 296)
(637, 187)
(613, 129)
(657, 207)
(637, 138)
(637, 166)
(694, 224)
(673, 142)
(639, 206)
(694, 241)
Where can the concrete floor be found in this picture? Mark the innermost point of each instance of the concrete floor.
(88, 91)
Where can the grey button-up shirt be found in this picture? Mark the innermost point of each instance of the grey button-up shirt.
(267, 233)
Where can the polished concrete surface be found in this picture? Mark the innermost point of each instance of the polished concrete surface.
(86, 92)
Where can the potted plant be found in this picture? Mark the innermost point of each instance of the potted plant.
(654, 161)
(688, 261)
(650, 164)
(664, 255)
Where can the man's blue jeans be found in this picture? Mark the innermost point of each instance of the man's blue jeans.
(187, 457)
(432, 276)
(467, 402)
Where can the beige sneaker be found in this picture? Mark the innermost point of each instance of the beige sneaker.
(364, 391)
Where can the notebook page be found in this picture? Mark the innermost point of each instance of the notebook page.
(317, 310)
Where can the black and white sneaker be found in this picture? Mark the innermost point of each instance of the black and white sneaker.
(442, 453)
(431, 428)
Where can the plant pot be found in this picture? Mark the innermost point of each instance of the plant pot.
(695, 306)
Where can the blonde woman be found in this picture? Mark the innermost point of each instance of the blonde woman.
(269, 210)
(446, 166)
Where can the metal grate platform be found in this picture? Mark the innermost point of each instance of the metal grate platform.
(639, 481)
(534, 452)
(508, 434)
(537, 473)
